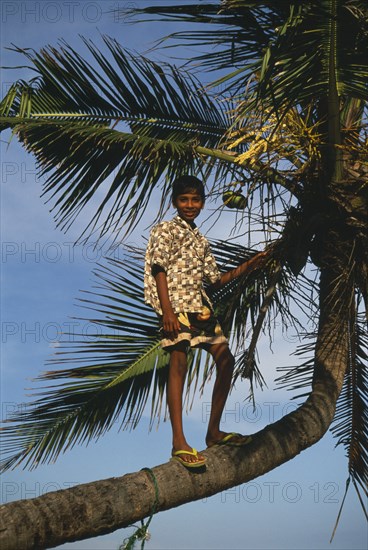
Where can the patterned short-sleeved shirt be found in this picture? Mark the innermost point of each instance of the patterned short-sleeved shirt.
(185, 255)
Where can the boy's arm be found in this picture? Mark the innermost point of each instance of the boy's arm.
(243, 268)
(170, 321)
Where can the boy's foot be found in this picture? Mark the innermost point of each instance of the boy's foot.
(189, 458)
(232, 439)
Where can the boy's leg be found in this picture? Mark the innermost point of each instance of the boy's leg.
(175, 387)
(224, 360)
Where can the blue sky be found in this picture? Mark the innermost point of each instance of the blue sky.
(294, 506)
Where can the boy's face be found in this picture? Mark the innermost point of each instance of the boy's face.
(189, 205)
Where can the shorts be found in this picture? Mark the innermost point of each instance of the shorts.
(198, 329)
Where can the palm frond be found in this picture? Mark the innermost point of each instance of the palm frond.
(290, 46)
(350, 424)
(240, 301)
(115, 372)
(299, 376)
(254, 303)
(314, 52)
(78, 160)
(118, 367)
(236, 33)
(125, 124)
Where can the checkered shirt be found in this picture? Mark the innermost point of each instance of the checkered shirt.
(185, 255)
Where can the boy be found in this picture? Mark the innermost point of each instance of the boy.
(178, 260)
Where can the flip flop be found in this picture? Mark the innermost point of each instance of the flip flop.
(176, 456)
(227, 440)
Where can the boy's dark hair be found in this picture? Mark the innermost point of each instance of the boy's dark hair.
(186, 183)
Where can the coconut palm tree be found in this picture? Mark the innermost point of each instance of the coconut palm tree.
(286, 142)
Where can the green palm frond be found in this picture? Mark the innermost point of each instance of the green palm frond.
(295, 48)
(236, 33)
(122, 125)
(129, 87)
(115, 372)
(120, 367)
(317, 47)
(86, 157)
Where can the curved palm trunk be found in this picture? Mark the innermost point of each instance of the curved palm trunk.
(101, 507)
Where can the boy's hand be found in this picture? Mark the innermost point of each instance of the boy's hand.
(170, 324)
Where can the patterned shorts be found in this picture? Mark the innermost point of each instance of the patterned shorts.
(198, 329)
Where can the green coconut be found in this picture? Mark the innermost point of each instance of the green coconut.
(234, 199)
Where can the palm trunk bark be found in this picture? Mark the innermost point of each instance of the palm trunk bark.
(97, 508)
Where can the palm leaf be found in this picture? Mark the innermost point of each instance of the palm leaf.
(291, 45)
(350, 424)
(239, 302)
(126, 124)
(299, 376)
(236, 33)
(254, 304)
(118, 369)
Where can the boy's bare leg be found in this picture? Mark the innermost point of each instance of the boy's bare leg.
(225, 365)
(175, 387)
